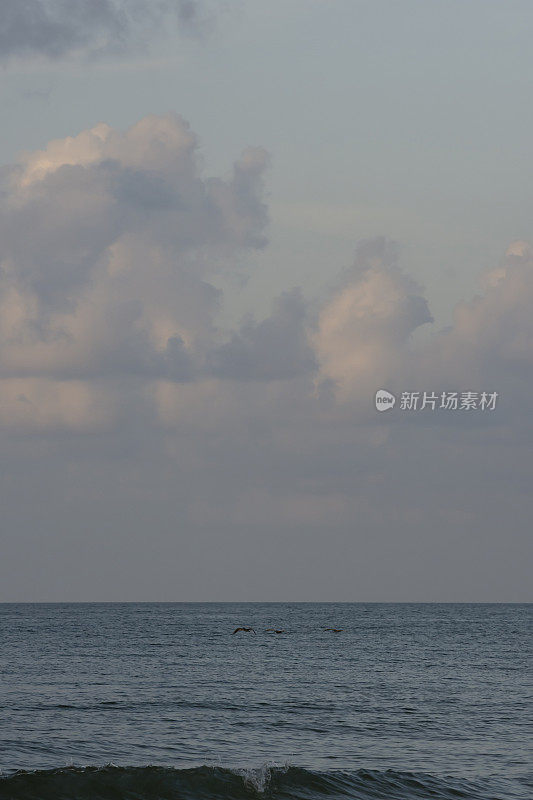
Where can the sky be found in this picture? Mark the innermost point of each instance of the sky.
(224, 226)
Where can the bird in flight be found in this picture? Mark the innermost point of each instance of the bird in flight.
(246, 630)
(334, 630)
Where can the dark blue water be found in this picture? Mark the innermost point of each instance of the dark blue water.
(161, 701)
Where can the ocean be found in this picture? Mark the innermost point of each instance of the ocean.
(162, 700)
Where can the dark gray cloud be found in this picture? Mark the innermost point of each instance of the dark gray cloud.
(59, 28)
(277, 348)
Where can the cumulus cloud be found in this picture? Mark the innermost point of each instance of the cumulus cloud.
(108, 241)
(494, 331)
(363, 329)
(59, 28)
(254, 441)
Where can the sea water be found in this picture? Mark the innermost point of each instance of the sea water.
(162, 700)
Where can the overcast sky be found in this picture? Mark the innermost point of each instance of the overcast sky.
(223, 227)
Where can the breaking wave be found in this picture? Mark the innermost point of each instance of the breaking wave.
(201, 783)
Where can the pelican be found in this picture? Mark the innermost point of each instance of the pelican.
(334, 630)
(246, 630)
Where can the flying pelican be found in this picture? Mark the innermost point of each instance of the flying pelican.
(247, 630)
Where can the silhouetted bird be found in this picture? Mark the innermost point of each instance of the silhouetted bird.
(246, 630)
(334, 630)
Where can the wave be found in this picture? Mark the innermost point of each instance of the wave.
(215, 783)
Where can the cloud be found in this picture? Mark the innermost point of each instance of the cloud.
(253, 451)
(363, 329)
(277, 348)
(108, 240)
(61, 28)
(494, 331)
